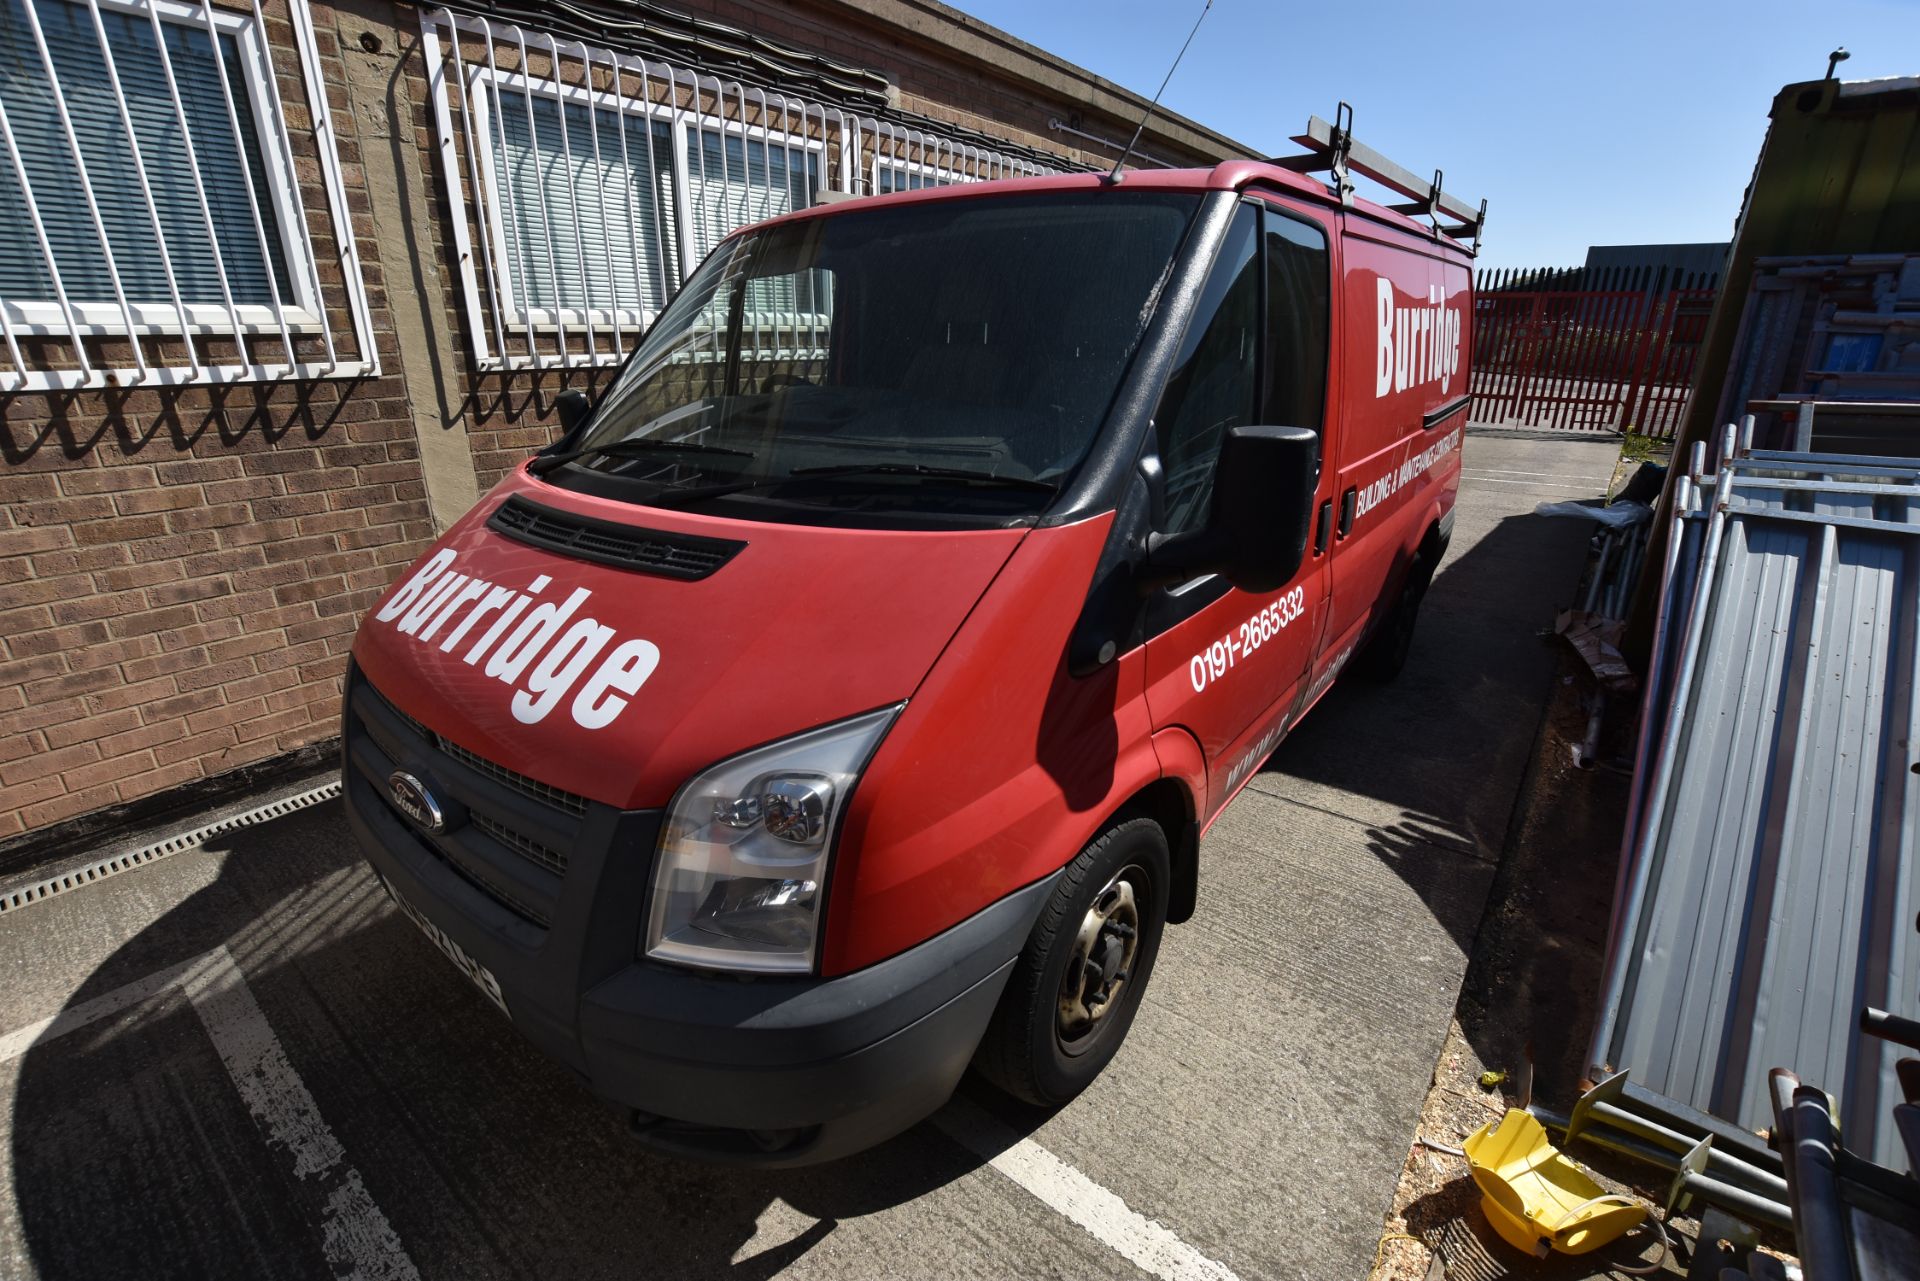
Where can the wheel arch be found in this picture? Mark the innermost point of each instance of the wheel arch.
(1427, 551)
(1169, 802)
(1433, 543)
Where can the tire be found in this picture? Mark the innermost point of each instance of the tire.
(1052, 1033)
(1387, 650)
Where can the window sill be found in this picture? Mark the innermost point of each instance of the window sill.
(155, 320)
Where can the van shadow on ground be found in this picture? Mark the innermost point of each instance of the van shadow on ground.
(133, 1153)
(1432, 763)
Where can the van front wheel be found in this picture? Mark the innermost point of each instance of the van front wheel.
(1078, 981)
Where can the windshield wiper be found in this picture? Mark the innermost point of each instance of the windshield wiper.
(678, 497)
(636, 447)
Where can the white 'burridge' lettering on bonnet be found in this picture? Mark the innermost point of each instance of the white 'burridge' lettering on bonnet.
(558, 654)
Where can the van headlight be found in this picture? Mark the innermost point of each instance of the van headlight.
(743, 853)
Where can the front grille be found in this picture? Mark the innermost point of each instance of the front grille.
(574, 805)
(493, 888)
(553, 860)
(476, 862)
(546, 792)
(604, 542)
(412, 724)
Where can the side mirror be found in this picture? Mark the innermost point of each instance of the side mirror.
(574, 410)
(1256, 534)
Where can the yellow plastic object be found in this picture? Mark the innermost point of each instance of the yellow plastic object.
(1538, 1200)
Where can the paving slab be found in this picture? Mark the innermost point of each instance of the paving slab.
(308, 1089)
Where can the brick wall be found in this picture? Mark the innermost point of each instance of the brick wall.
(938, 81)
(181, 571)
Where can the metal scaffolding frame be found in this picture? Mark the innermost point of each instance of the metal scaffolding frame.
(1767, 887)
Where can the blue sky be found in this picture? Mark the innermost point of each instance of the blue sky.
(1618, 123)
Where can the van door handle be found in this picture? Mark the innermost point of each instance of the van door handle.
(1323, 528)
(1348, 502)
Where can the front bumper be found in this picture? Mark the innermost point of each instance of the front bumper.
(765, 1070)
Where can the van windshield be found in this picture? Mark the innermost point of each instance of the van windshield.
(946, 362)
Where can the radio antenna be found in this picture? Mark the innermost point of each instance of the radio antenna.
(1114, 175)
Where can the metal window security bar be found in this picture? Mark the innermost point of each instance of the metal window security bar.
(1767, 889)
(890, 177)
(905, 160)
(153, 231)
(593, 180)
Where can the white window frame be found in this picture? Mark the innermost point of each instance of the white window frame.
(480, 103)
(936, 174)
(302, 311)
(750, 136)
(690, 127)
(681, 123)
(568, 337)
(43, 318)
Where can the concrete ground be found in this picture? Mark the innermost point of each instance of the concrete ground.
(1531, 992)
(262, 1069)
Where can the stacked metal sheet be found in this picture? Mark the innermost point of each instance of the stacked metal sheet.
(1767, 889)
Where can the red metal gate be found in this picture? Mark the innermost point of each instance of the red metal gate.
(1657, 399)
(1550, 353)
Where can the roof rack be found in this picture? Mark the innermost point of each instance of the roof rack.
(1332, 148)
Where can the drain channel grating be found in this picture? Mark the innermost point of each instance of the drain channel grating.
(13, 900)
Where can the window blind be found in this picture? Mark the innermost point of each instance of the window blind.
(564, 222)
(104, 145)
(907, 178)
(744, 183)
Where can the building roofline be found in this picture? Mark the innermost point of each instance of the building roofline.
(989, 46)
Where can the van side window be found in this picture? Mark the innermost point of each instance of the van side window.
(1296, 363)
(1214, 380)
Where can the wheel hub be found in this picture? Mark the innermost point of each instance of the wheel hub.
(1101, 963)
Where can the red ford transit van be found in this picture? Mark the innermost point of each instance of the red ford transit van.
(840, 702)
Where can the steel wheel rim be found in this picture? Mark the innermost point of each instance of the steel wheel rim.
(1100, 968)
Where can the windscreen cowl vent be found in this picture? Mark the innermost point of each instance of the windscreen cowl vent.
(605, 542)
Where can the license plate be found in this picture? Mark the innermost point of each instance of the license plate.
(482, 977)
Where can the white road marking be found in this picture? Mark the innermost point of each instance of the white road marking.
(360, 1243)
(1144, 1242)
(355, 1236)
(1593, 490)
(1550, 475)
(19, 1041)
